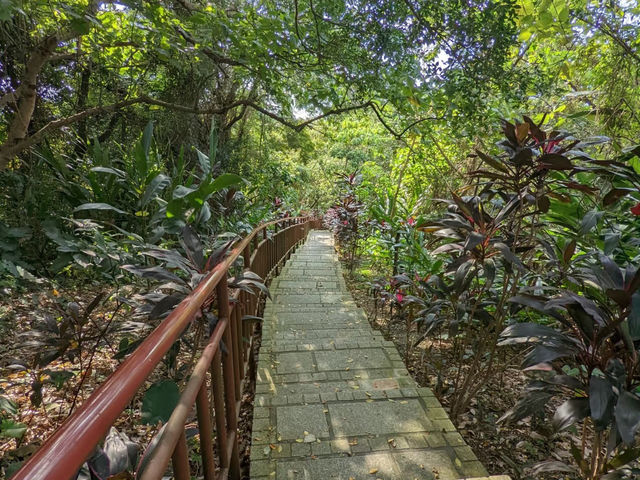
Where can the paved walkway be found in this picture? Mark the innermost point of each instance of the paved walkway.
(333, 398)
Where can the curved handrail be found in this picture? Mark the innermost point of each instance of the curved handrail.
(72, 443)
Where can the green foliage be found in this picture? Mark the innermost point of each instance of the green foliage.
(344, 218)
(159, 401)
(546, 225)
(9, 428)
(110, 208)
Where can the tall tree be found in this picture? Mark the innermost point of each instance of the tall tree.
(293, 61)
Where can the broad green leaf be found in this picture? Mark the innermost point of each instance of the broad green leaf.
(159, 183)
(159, 401)
(11, 429)
(545, 18)
(98, 206)
(112, 171)
(147, 137)
(223, 181)
(205, 162)
(525, 35)
(7, 405)
(563, 15)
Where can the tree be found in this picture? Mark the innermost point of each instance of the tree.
(278, 58)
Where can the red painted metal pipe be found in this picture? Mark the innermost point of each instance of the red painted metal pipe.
(66, 450)
(175, 426)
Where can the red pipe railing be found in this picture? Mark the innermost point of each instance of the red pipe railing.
(62, 455)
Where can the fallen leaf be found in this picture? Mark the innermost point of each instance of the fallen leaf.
(373, 471)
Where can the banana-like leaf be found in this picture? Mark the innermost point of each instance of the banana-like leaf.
(159, 183)
(192, 246)
(570, 412)
(627, 415)
(98, 206)
(153, 273)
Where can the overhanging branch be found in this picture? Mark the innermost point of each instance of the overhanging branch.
(10, 150)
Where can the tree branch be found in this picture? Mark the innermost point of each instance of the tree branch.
(13, 147)
(209, 52)
(391, 130)
(609, 32)
(9, 150)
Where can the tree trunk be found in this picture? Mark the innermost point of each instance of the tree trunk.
(27, 100)
(83, 95)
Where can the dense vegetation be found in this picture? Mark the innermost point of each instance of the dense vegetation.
(477, 161)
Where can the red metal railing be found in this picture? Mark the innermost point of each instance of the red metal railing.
(67, 449)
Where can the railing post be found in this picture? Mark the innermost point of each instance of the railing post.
(237, 314)
(229, 380)
(235, 354)
(276, 258)
(180, 459)
(218, 406)
(204, 426)
(246, 254)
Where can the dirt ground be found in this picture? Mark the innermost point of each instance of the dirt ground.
(20, 312)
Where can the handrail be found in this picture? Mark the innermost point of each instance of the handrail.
(73, 442)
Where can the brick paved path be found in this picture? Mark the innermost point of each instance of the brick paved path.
(334, 399)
